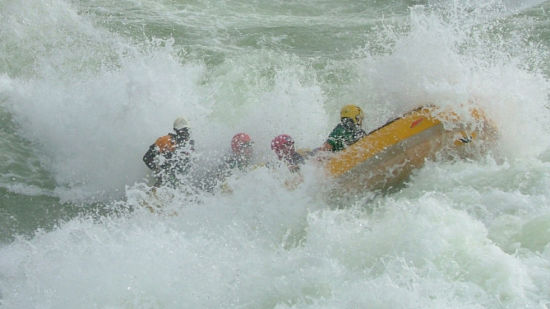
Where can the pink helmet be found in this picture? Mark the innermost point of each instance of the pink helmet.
(240, 141)
(282, 145)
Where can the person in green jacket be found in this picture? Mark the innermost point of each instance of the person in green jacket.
(347, 132)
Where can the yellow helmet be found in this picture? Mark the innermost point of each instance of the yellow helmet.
(352, 112)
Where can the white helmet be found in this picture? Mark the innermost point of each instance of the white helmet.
(180, 123)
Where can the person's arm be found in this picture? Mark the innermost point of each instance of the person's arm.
(293, 168)
(326, 147)
(149, 157)
(362, 133)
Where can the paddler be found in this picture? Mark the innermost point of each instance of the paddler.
(239, 158)
(283, 146)
(169, 156)
(241, 152)
(347, 132)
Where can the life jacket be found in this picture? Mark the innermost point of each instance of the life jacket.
(165, 144)
(345, 134)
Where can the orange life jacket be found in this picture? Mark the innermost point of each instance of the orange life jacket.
(165, 144)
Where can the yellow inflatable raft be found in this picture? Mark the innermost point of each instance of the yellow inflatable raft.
(387, 155)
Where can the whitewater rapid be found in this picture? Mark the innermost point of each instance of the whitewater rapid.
(87, 86)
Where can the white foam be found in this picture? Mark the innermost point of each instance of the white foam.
(456, 236)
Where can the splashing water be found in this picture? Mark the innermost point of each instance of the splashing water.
(87, 86)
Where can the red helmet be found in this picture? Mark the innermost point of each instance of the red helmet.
(282, 145)
(240, 141)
